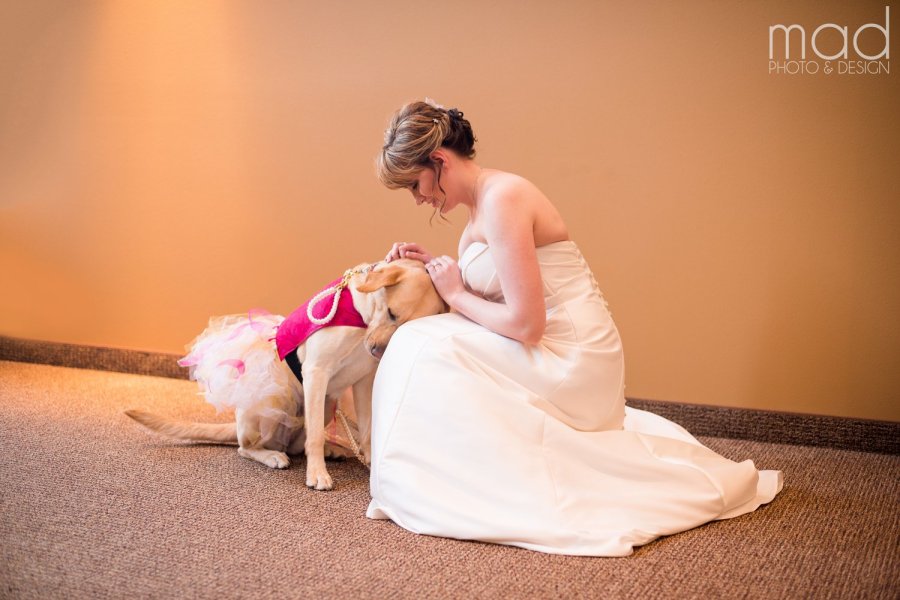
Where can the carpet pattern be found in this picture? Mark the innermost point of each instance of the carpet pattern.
(94, 507)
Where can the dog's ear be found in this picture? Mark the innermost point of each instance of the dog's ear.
(375, 280)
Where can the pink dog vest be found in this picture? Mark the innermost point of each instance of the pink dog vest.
(294, 330)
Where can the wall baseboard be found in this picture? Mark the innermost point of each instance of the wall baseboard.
(99, 358)
(777, 427)
(701, 420)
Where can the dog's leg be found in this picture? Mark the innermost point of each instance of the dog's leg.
(362, 402)
(315, 385)
(298, 443)
(331, 450)
(250, 441)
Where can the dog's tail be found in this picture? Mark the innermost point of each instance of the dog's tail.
(221, 433)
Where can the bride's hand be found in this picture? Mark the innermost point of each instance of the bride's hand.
(408, 250)
(446, 276)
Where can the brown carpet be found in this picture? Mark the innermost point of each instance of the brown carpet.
(93, 507)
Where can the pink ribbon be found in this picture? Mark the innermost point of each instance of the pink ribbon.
(254, 325)
(236, 363)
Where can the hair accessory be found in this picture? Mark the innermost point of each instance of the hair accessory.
(433, 103)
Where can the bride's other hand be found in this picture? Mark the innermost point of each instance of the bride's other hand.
(408, 250)
(446, 276)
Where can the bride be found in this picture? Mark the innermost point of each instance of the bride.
(504, 420)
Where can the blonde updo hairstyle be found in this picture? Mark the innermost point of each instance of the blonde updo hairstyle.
(415, 131)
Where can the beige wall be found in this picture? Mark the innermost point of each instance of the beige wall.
(163, 161)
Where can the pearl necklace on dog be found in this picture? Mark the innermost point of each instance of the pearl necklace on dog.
(336, 290)
(354, 445)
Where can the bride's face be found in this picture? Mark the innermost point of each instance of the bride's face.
(425, 189)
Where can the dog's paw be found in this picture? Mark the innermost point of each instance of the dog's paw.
(335, 451)
(318, 478)
(278, 460)
(270, 458)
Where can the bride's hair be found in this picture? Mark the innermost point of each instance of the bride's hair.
(415, 131)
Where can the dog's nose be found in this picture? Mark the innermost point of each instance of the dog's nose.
(377, 351)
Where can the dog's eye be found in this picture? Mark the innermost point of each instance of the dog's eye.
(391, 315)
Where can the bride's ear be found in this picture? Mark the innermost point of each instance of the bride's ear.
(375, 280)
(438, 159)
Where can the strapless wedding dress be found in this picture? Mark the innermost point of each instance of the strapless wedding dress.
(478, 436)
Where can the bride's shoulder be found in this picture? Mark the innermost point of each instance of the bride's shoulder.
(509, 189)
(500, 181)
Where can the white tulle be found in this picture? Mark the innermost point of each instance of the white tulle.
(235, 362)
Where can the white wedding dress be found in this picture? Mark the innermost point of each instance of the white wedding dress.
(478, 436)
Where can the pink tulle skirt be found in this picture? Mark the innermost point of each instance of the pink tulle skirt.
(235, 362)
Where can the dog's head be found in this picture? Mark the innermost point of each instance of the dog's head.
(400, 291)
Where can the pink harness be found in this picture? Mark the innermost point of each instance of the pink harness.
(297, 327)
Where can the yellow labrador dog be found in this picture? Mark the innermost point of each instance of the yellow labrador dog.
(268, 423)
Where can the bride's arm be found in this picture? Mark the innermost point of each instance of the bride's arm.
(507, 225)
